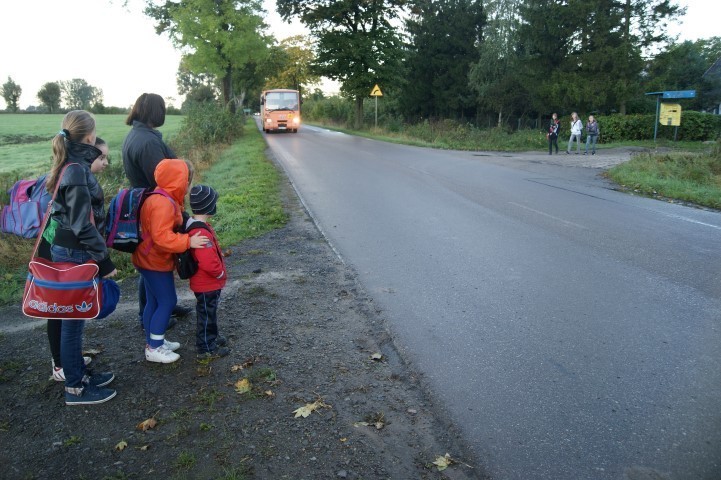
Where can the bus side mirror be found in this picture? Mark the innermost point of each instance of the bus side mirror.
(262, 100)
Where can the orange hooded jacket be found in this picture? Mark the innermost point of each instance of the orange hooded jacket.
(159, 218)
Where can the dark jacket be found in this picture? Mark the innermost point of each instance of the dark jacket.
(554, 128)
(79, 196)
(143, 149)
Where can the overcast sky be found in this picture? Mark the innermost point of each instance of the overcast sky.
(116, 49)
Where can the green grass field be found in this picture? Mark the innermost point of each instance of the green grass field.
(25, 140)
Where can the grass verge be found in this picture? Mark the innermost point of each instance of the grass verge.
(688, 177)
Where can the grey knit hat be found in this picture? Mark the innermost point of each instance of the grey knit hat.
(203, 200)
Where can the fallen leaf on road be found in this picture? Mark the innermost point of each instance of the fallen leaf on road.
(443, 462)
(146, 425)
(309, 408)
(121, 445)
(376, 356)
(243, 386)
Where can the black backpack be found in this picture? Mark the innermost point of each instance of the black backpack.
(185, 264)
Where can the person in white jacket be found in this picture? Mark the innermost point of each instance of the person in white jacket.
(576, 127)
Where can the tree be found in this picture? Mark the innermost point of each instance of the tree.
(294, 64)
(496, 77)
(681, 66)
(11, 92)
(223, 37)
(356, 42)
(49, 95)
(189, 80)
(80, 95)
(588, 54)
(444, 38)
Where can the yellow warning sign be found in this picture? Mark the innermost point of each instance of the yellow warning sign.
(670, 114)
(376, 92)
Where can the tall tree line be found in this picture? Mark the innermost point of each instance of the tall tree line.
(447, 58)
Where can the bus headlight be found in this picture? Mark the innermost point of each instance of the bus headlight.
(268, 120)
(296, 120)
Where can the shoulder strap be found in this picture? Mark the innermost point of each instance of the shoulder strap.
(143, 235)
(46, 217)
(162, 192)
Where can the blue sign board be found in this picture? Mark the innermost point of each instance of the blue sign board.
(680, 94)
(675, 94)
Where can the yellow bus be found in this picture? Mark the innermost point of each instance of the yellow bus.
(280, 110)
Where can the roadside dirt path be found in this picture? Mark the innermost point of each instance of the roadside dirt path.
(302, 331)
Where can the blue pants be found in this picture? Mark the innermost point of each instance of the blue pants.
(577, 138)
(71, 333)
(161, 299)
(592, 140)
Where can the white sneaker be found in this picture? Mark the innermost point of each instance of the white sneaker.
(160, 354)
(59, 375)
(172, 346)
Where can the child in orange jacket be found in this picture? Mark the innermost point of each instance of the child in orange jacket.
(160, 219)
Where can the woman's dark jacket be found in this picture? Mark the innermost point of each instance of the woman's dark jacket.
(79, 195)
(143, 150)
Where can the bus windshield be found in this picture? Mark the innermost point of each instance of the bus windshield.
(281, 101)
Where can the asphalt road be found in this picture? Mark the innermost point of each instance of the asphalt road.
(571, 331)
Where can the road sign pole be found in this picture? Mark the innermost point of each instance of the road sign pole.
(376, 111)
(655, 124)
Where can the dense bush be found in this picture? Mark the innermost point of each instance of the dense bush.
(333, 110)
(695, 126)
(208, 124)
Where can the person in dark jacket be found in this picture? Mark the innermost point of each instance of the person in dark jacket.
(553, 130)
(143, 149)
(54, 327)
(592, 133)
(74, 237)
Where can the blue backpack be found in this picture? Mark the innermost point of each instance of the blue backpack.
(29, 200)
(122, 223)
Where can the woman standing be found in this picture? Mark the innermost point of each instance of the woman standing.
(553, 133)
(74, 237)
(576, 128)
(592, 132)
(143, 149)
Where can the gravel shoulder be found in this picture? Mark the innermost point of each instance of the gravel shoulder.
(302, 331)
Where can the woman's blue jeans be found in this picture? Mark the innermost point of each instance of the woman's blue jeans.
(592, 140)
(71, 333)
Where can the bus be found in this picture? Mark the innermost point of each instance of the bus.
(280, 110)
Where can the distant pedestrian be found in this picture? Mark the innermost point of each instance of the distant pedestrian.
(576, 129)
(552, 135)
(592, 133)
(211, 276)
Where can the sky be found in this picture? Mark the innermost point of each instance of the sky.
(115, 48)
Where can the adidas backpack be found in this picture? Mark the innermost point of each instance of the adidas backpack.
(122, 224)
